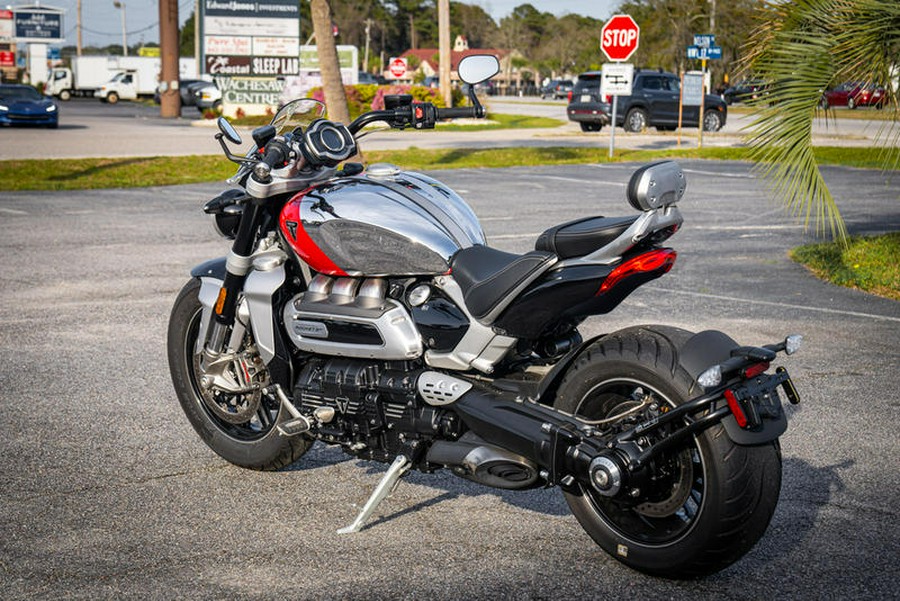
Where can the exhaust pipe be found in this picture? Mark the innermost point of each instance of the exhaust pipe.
(474, 459)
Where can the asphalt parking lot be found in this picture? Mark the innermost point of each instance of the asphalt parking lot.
(108, 493)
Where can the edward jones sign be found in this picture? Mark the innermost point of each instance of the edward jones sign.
(251, 38)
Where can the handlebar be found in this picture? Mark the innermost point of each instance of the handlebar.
(276, 153)
(470, 112)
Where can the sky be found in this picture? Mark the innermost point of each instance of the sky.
(102, 22)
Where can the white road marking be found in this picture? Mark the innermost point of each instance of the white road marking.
(720, 174)
(779, 304)
(13, 211)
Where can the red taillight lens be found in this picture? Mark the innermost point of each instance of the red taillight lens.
(608, 99)
(754, 370)
(569, 96)
(739, 416)
(658, 260)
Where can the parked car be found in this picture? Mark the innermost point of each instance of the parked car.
(369, 78)
(557, 88)
(23, 105)
(184, 90)
(853, 94)
(207, 95)
(748, 89)
(653, 102)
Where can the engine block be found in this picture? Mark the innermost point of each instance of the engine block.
(378, 413)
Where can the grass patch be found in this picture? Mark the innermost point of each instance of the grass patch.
(503, 121)
(857, 114)
(868, 263)
(84, 174)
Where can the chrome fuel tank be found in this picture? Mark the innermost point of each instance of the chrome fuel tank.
(385, 223)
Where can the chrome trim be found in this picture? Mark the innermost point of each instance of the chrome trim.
(237, 264)
(258, 290)
(659, 185)
(321, 284)
(209, 292)
(373, 288)
(401, 339)
(345, 287)
(288, 182)
(439, 389)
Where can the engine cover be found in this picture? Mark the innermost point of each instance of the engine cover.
(351, 317)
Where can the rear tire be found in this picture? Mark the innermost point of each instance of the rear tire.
(712, 120)
(851, 103)
(717, 497)
(255, 444)
(589, 127)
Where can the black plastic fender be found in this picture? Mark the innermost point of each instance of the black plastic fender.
(214, 268)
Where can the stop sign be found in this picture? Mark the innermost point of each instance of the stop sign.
(397, 67)
(619, 37)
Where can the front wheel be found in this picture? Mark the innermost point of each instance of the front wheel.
(112, 98)
(635, 120)
(707, 502)
(712, 120)
(241, 428)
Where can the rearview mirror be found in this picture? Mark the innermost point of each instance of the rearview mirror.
(228, 131)
(478, 68)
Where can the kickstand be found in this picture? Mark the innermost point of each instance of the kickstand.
(388, 482)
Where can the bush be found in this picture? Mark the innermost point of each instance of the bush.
(370, 97)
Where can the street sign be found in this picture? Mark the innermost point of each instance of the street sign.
(397, 68)
(37, 24)
(692, 93)
(706, 40)
(711, 53)
(616, 79)
(619, 38)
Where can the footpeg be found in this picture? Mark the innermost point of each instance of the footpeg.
(293, 427)
(387, 485)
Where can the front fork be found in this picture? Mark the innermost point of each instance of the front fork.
(237, 267)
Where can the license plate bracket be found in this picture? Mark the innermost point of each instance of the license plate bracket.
(762, 404)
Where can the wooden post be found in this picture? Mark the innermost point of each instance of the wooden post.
(444, 51)
(170, 99)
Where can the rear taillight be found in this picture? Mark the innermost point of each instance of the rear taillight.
(751, 371)
(608, 99)
(660, 261)
(569, 96)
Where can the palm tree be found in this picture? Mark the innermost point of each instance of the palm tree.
(332, 86)
(803, 47)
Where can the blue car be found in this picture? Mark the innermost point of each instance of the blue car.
(23, 105)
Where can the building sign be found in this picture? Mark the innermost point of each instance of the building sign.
(6, 25)
(33, 24)
(243, 91)
(259, 38)
(7, 59)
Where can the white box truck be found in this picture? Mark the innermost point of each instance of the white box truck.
(111, 78)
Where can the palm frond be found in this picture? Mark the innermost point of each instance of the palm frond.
(802, 48)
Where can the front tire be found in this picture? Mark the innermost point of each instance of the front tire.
(112, 98)
(635, 121)
(713, 499)
(712, 120)
(254, 443)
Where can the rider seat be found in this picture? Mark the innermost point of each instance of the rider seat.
(490, 279)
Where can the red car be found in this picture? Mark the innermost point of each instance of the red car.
(853, 94)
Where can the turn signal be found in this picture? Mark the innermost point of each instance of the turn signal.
(220, 302)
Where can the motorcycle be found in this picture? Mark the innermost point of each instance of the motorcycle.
(363, 308)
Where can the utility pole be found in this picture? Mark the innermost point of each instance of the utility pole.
(444, 50)
(121, 5)
(197, 37)
(78, 27)
(366, 55)
(170, 99)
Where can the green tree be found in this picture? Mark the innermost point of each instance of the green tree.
(186, 38)
(802, 48)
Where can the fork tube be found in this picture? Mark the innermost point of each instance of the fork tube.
(238, 264)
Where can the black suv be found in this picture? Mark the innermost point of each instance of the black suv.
(653, 102)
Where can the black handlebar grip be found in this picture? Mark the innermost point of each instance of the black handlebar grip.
(275, 155)
(458, 113)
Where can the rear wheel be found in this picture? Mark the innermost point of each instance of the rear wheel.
(241, 428)
(587, 127)
(707, 503)
(635, 120)
(851, 103)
